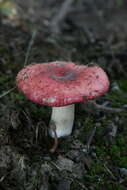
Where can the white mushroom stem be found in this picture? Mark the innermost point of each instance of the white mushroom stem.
(62, 119)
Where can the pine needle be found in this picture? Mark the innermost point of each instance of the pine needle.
(30, 47)
(7, 92)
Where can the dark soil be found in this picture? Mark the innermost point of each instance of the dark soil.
(86, 33)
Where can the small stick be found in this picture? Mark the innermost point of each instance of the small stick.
(30, 47)
(108, 109)
(90, 138)
(94, 105)
(7, 92)
(58, 18)
(109, 171)
(55, 145)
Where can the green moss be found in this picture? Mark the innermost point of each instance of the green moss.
(115, 154)
(17, 96)
(118, 152)
(87, 124)
(3, 79)
(97, 169)
(123, 84)
(101, 151)
(121, 141)
(119, 97)
(40, 111)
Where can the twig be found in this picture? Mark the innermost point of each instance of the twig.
(55, 165)
(113, 132)
(105, 108)
(108, 109)
(77, 181)
(82, 185)
(29, 120)
(90, 138)
(30, 46)
(7, 92)
(58, 18)
(109, 171)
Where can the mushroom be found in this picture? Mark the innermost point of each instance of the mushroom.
(60, 85)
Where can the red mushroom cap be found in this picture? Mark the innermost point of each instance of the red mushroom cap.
(61, 83)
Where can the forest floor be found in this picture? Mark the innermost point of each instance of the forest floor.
(25, 160)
